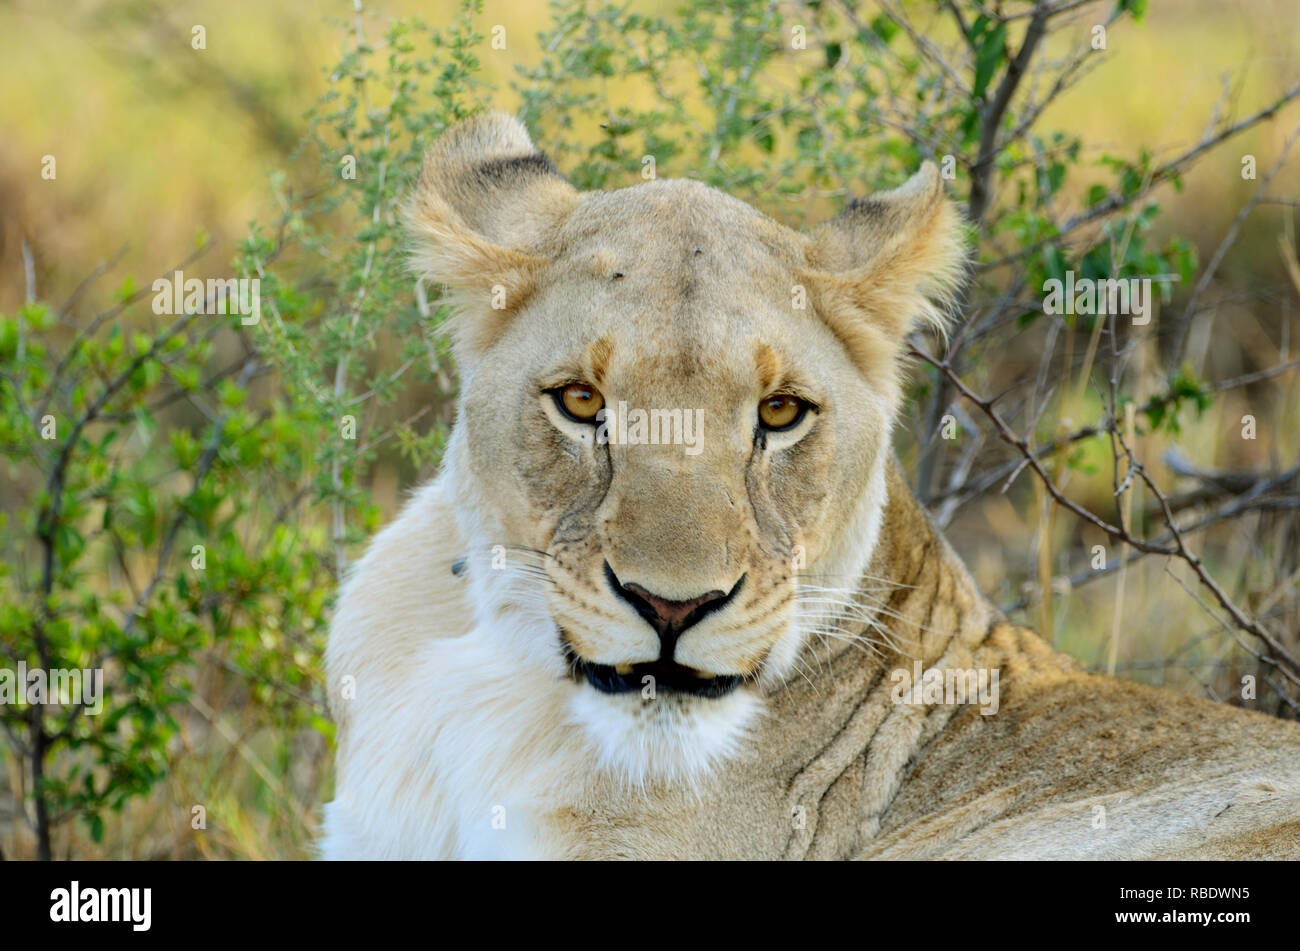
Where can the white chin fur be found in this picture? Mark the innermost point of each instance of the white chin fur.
(673, 738)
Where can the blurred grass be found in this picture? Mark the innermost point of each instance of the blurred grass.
(157, 142)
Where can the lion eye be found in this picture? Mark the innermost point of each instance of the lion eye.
(781, 411)
(579, 401)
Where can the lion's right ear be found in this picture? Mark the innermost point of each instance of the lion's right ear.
(886, 265)
(480, 218)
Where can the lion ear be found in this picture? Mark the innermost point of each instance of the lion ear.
(888, 264)
(480, 219)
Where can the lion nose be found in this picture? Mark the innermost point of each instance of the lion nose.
(669, 618)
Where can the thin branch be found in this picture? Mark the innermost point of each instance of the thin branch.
(992, 113)
(1178, 549)
(1118, 200)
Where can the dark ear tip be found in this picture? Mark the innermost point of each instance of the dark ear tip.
(489, 135)
(503, 169)
(869, 205)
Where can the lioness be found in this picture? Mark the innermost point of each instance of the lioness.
(590, 639)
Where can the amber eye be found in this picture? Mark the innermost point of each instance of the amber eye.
(579, 401)
(781, 411)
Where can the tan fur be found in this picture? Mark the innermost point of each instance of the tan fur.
(669, 294)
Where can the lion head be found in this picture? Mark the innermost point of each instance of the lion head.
(674, 425)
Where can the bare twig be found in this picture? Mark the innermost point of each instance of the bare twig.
(1178, 549)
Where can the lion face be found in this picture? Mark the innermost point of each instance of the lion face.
(676, 416)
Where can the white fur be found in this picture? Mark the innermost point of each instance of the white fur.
(637, 741)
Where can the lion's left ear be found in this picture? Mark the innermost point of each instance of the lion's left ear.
(887, 264)
(480, 219)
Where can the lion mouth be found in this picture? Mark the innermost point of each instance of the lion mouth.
(667, 675)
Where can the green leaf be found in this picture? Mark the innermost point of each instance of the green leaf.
(884, 27)
(1137, 8)
(989, 54)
